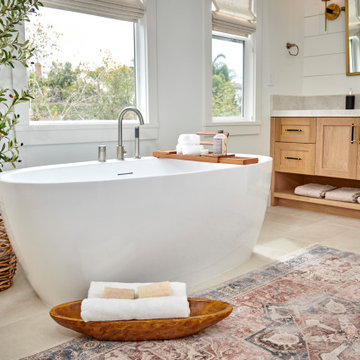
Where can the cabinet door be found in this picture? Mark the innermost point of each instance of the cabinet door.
(336, 147)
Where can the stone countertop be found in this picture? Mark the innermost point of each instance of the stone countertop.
(316, 113)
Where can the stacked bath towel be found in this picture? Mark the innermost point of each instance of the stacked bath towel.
(313, 190)
(344, 194)
(98, 308)
(329, 192)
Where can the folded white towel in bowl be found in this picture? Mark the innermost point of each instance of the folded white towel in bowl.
(96, 309)
(347, 194)
(189, 139)
(96, 289)
(313, 190)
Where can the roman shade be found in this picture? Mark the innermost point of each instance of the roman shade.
(234, 16)
(129, 10)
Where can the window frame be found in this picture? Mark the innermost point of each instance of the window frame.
(237, 39)
(249, 94)
(89, 131)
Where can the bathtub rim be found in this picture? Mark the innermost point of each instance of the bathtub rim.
(217, 167)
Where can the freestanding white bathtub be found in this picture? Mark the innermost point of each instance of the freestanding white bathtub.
(131, 221)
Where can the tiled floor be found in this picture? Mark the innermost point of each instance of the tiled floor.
(26, 328)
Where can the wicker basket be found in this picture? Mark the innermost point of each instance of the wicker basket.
(7, 259)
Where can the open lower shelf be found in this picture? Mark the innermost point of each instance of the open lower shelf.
(289, 195)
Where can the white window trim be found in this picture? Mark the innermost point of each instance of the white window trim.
(249, 83)
(86, 131)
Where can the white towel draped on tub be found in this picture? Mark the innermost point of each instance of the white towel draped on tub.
(344, 194)
(96, 289)
(96, 309)
(313, 190)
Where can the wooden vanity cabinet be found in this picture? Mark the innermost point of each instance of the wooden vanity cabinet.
(323, 150)
(337, 147)
(358, 159)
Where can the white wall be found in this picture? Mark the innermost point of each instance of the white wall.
(324, 53)
(281, 21)
(180, 60)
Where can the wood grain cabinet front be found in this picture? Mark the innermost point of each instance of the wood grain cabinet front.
(296, 130)
(323, 150)
(295, 158)
(337, 147)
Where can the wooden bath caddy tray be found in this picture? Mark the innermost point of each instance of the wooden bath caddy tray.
(203, 313)
(224, 159)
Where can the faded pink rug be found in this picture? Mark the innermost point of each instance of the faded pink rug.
(305, 307)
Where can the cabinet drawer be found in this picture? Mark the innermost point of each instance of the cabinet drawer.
(295, 158)
(299, 130)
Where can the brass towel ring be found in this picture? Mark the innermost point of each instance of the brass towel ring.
(289, 46)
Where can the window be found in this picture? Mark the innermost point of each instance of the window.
(84, 66)
(227, 78)
(233, 61)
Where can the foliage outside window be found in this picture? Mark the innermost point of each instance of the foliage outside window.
(227, 78)
(79, 73)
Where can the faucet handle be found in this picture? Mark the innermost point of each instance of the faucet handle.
(137, 142)
(120, 151)
(102, 153)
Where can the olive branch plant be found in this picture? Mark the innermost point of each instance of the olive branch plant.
(13, 13)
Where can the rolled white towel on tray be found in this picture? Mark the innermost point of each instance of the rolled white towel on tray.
(189, 139)
(313, 190)
(96, 309)
(96, 289)
(179, 149)
(191, 149)
(346, 194)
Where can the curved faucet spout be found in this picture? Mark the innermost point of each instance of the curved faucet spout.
(120, 148)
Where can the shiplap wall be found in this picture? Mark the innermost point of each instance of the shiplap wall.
(324, 53)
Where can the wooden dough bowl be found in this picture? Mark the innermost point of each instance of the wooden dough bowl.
(203, 313)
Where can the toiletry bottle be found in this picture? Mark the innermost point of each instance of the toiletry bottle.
(350, 100)
(220, 143)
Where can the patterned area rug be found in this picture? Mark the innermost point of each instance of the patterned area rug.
(304, 307)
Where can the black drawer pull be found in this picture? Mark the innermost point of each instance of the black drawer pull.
(294, 130)
(292, 158)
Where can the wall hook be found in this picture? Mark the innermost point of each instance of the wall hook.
(289, 46)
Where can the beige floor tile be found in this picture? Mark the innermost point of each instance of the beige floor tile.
(31, 335)
(272, 230)
(316, 233)
(19, 301)
(349, 240)
(282, 210)
(277, 248)
(347, 222)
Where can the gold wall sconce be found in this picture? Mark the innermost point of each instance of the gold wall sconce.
(332, 11)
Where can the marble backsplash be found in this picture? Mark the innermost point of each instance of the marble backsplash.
(326, 102)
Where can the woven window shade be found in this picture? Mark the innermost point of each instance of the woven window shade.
(234, 16)
(129, 10)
